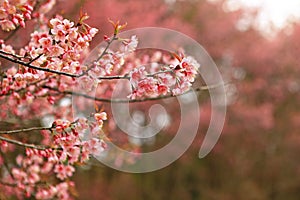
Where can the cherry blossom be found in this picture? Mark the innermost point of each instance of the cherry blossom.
(63, 171)
(41, 75)
(14, 13)
(176, 77)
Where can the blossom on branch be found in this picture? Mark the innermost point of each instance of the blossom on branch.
(14, 13)
(38, 80)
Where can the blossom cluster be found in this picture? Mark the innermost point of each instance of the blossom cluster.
(14, 13)
(29, 176)
(112, 61)
(40, 78)
(69, 145)
(175, 78)
(61, 47)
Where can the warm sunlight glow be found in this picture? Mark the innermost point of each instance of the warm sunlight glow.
(272, 15)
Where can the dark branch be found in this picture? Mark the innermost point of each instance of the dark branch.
(25, 130)
(107, 100)
(32, 146)
(37, 68)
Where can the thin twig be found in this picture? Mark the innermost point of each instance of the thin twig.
(8, 184)
(5, 163)
(27, 184)
(12, 34)
(28, 64)
(101, 55)
(57, 72)
(107, 46)
(38, 68)
(127, 77)
(32, 146)
(25, 130)
(113, 77)
(107, 100)
(34, 59)
(32, 129)
(12, 54)
(27, 85)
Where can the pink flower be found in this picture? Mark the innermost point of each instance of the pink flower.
(62, 191)
(74, 154)
(63, 171)
(59, 33)
(45, 194)
(55, 22)
(134, 95)
(85, 152)
(7, 48)
(7, 25)
(45, 42)
(188, 69)
(100, 116)
(136, 75)
(47, 167)
(147, 86)
(73, 34)
(33, 177)
(162, 89)
(93, 32)
(166, 79)
(180, 89)
(130, 45)
(18, 174)
(95, 146)
(67, 25)
(3, 13)
(55, 51)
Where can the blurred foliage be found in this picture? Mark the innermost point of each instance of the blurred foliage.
(256, 156)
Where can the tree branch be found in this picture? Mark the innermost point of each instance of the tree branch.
(32, 146)
(28, 64)
(17, 60)
(27, 85)
(28, 184)
(113, 77)
(32, 129)
(8, 184)
(6, 164)
(37, 68)
(11, 54)
(101, 55)
(26, 130)
(12, 34)
(107, 100)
